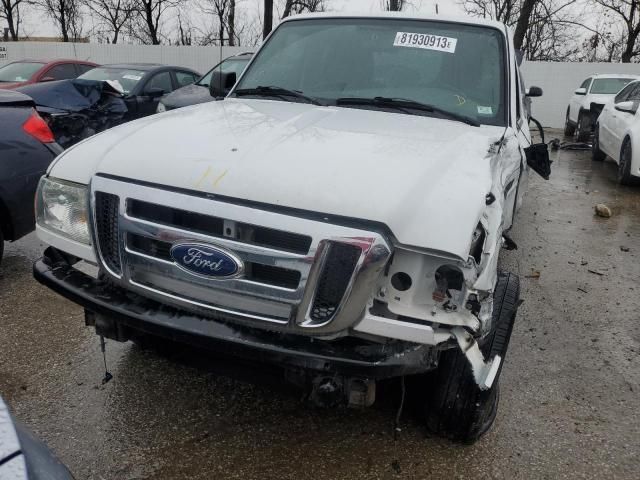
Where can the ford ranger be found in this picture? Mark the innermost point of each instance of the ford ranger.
(340, 213)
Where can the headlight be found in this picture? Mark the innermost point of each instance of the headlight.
(161, 108)
(62, 207)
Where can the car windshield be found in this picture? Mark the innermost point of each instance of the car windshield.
(19, 71)
(454, 67)
(236, 65)
(609, 86)
(126, 77)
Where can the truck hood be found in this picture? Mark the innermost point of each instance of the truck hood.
(425, 178)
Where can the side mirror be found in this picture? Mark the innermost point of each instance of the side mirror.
(627, 107)
(47, 79)
(581, 91)
(221, 83)
(533, 92)
(155, 92)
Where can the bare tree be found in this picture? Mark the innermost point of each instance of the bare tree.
(112, 14)
(148, 18)
(292, 7)
(225, 13)
(10, 11)
(628, 13)
(544, 29)
(394, 5)
(66, 15)
(267, 23)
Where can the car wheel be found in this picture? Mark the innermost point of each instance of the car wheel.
(569, 128)
(596, 154)
(456, 408)
(1, 245)
(624, 166)
(583, 129)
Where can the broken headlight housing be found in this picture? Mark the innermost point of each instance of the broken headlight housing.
(62, 207)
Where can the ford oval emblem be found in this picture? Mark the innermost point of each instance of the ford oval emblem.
(206, 260)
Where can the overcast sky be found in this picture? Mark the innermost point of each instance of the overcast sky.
(37, 25)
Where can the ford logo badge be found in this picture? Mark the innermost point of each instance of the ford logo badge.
(206, 261)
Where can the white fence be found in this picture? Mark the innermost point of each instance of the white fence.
(558, 80)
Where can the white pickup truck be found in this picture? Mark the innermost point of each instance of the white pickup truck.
(340, 213)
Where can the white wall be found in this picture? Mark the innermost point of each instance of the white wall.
(558, 80)
(200, 59)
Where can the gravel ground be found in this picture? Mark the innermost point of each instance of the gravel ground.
(569, 405)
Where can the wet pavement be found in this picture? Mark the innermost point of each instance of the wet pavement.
(569, 407)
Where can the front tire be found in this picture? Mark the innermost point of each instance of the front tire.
(624, 166)
(569, 128)
(1, 244)
(456, 408)
(583, 130)
(597, 155)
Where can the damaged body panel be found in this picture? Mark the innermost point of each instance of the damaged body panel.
(77, 109)
(336, 218)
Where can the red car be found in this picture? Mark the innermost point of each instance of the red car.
(24, 72)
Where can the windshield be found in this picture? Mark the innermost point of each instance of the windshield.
(236, 65)
(609, 86)
(455, 67)
(126, 77)
(19, 71)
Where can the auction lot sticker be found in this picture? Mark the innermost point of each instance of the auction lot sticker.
(426, 41)
(3, 53)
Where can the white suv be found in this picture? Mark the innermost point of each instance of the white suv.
(588, 101)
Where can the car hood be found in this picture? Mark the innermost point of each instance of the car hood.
(600, 98)
(188, 95)
(425, 178)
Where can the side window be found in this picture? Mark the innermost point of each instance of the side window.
(185, 78)
(625, 93)
(82, 68)
(162, 81)
(634, 93)
(61, 72)
(586, 83)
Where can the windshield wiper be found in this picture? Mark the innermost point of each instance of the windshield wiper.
(273, 91)
(404, 105)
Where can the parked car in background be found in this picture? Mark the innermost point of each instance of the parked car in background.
(25, 72)
(104, 97)
(341, 213)
(27, 147)
(24, 457)
(143, 84)
(617, 134)
(198, 92)
(588, 101)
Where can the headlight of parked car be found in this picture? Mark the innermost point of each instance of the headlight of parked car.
(161, 108)
(62, 207)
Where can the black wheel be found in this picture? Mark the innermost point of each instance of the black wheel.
(455, 407)
(596, 154)
(624, 166)
(569, 128)
(583, 129)
(1, 245)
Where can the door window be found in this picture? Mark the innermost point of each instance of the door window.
(185, 78)
(586, 83)
(626, 93)
(61, 72)
(82, 68)
(162, 81)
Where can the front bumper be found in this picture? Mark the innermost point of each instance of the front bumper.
(134, 313)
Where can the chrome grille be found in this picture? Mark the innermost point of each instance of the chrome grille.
(300, 274)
